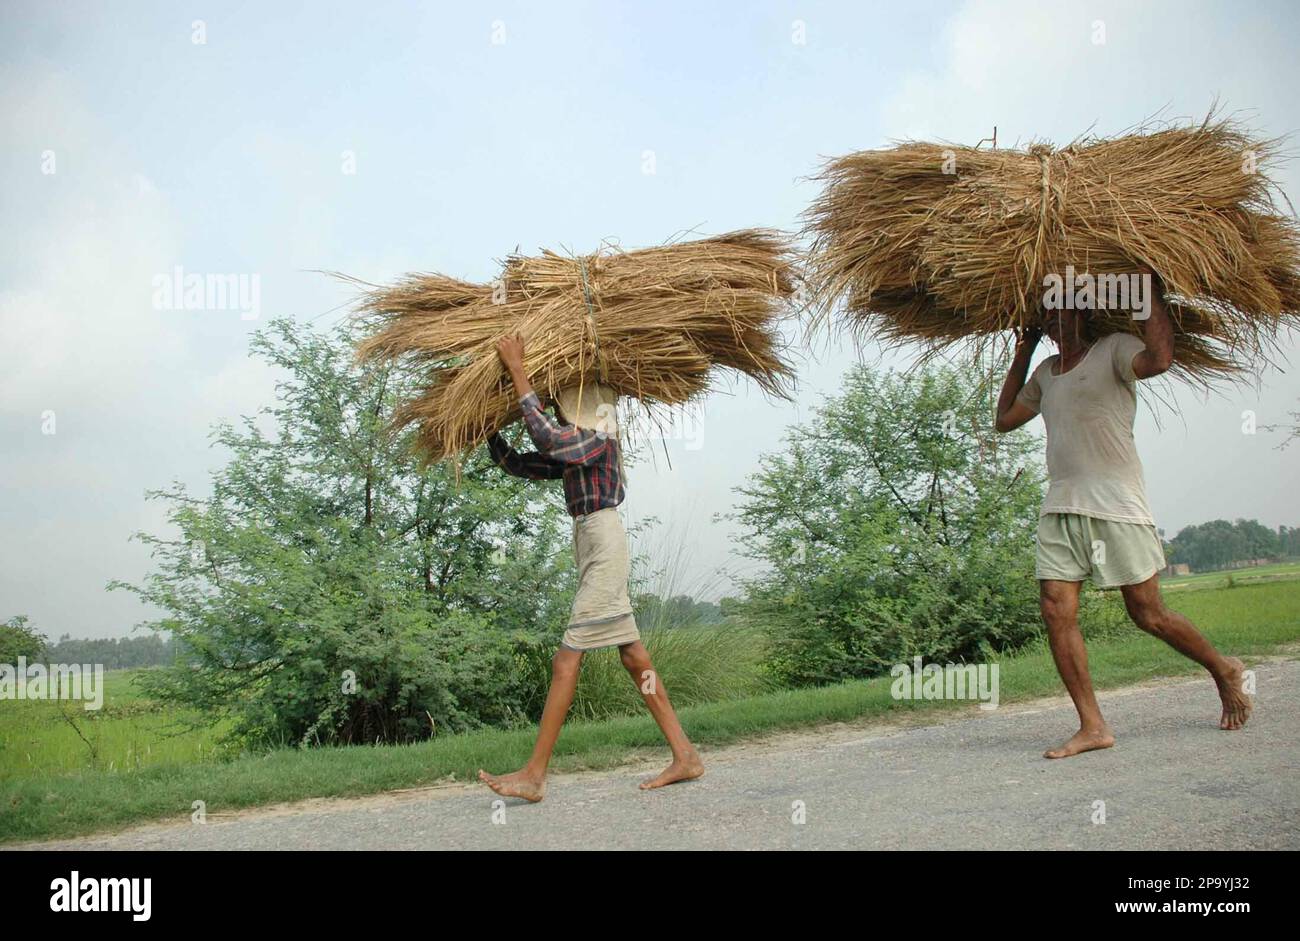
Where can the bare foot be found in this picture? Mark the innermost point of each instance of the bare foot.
(1083, 740)
(685, 769)
(1236, 701)
(518, 784)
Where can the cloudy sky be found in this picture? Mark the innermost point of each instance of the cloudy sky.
(138, 137)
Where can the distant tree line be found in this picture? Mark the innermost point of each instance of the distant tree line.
(115, 653)
(677, 611)
(18, 638)
(1220, 544)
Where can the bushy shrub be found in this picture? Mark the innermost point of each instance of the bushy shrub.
(20, 639)
(332, 590)
(895, 523)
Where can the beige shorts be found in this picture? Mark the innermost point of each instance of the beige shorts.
(602, 611)
(1072, 548)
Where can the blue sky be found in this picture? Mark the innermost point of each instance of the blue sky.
(226, 156)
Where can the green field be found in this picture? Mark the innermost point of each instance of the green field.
(129, 733)
(136, 762)
(1249, 576)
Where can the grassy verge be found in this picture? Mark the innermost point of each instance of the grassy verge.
(1248, 620)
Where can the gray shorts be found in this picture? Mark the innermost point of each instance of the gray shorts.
(1072, 548)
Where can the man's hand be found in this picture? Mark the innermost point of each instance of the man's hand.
(511, 350)
(1029, 336)
(1011, 413)
(1158, 334)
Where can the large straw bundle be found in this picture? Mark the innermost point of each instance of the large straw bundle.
(908, 251)
(653, 324)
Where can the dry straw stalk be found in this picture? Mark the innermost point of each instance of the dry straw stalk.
(943, 243)
(655, 324)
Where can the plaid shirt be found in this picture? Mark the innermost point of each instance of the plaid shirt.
(588, 461)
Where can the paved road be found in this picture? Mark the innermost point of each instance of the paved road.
(1174, 781)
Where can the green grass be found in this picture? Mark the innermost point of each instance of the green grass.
(1249, 620)
(40, 738)
(707, 664)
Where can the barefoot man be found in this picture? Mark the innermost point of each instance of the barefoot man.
(1095, 520)
(584, 453)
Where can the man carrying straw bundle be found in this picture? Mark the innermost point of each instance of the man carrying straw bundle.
(585, 454)
(945, 244)
(1095, 520)
(655, 325)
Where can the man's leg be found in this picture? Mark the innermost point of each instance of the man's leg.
(529, 782)
(1059, 603)
(1148, 611)
(686, 762)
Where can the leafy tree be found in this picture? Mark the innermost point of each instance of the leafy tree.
(332, 590)
(1260, 541)
(19, 639)
(729, 607)
(895, 523)
(1218, 543)
(1288, 538)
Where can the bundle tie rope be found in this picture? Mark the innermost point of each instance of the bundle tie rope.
(591, 318)
(1044, 153)
(595, 339)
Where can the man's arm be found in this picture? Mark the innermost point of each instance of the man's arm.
(511, 351)
(532, 466)
(1013, 413)
(1158, 334)
(566, 444)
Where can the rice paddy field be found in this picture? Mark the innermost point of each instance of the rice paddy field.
(130, 732)
(65, 771)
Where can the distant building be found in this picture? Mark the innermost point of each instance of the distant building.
(1249, 563)
(1177, 568)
